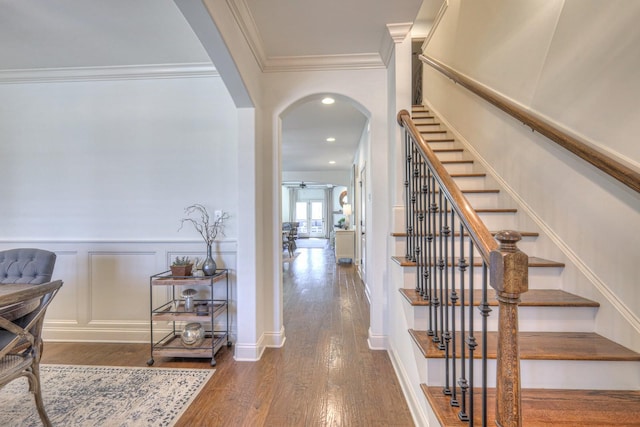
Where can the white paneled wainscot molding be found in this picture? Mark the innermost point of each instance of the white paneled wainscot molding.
(106, 295)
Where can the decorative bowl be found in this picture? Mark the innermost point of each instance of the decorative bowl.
(192, 335)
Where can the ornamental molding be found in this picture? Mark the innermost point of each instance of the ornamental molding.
(249, 29)
(399, 32)
(125, 72)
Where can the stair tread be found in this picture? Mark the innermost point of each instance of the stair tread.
(448, 150)
(486, 210)
(438, 139)
(456, 162)
(531, 298)
(468, 175)
(469, 191)
(522, 233)
(533, 262)
(422, 132)
(585, 346)
(551, 407)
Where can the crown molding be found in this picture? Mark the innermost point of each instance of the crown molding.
(399, 31)
(249, 29)
(324, 62)
(126, 72)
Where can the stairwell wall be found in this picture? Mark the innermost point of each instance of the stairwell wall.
(545, 58)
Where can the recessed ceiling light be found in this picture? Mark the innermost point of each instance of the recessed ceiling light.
(331, 139)
(328, 101)
(332, 162)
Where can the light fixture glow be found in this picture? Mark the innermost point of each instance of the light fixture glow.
(331, 139)
(328, 101)
(332, 162)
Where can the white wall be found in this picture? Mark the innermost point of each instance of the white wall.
(100, 172)
(543, 55)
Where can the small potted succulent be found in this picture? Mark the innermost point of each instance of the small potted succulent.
(181, 266)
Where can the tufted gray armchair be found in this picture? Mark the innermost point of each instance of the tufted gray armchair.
(26, 265)
(22, 316)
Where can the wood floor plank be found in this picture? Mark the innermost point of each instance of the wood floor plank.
(324, 375)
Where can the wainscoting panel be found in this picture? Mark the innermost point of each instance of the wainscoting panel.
(64, 307)
(119, 286)
(105, 296)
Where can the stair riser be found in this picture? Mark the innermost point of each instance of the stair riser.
(438, 144)
(450, 155)
(471, 183)
(553, 374)
(539, 278)
(424, 120)
(431, 128)
(460, 168)
(499, 220)
(535, 319)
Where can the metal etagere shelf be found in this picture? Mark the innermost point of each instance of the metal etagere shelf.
(204, 311)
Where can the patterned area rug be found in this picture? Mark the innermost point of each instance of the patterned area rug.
(104, 396)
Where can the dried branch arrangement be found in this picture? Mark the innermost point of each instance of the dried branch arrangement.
(208, 230)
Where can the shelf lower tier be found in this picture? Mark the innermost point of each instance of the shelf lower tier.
(170, 313)
(171, 346)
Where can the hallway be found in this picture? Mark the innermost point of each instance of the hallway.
(325, 375)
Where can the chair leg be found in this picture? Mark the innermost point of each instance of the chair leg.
(34, 387)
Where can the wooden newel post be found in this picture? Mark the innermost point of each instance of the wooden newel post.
(509, 277)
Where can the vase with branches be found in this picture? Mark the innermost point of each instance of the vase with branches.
(207, 228)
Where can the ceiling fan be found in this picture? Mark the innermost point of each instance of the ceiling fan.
(303, 184)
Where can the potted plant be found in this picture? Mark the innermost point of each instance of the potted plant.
(181, 266)
(208, 229)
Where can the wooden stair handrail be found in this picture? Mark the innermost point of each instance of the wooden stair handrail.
(478, 232)
(607, 164)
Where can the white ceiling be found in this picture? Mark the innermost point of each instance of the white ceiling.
(306, 127)
(45, 34)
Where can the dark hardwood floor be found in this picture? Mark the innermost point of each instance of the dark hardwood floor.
(325, 375)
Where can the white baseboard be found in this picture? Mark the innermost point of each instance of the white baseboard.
(248, 352)
(274, 339)
(377, 342)
(417, 413)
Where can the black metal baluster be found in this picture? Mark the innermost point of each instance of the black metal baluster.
(415, 197)
(425, 238)
(435, 296)
(446, 234)
(484, 310)
(407, 170)
(444, 204)
(433, 208)
(471, 340)
(427, 272)
(462, 266)
(463, 383)
(419, 225)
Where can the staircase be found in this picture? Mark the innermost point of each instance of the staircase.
(570, 376)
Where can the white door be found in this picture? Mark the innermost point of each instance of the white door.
(310, 218)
